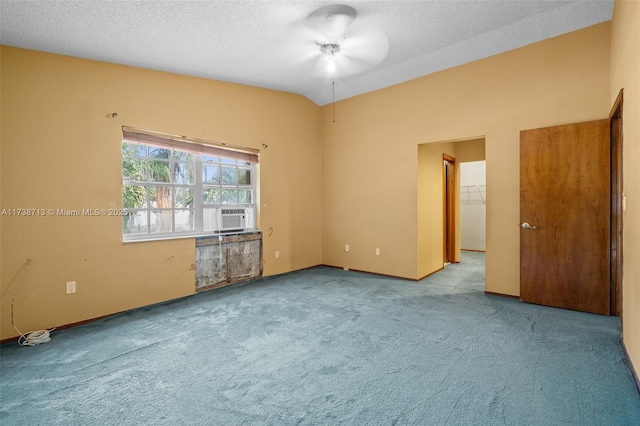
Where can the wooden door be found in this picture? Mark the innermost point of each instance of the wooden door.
(565, 216)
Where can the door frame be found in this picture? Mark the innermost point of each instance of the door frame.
(616, 257)
(449, 208)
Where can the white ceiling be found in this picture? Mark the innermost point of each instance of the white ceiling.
(249, 42)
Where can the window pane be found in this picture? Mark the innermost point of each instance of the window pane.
(244, 177)
(135, 223)
(134, 169)
(182, 156)
(183, 220)
(159, 188)
(229, 176)
(229, 196)
(244, 196)
(160, 221)
(134, 197)
(159, 171)
(184, 197)
(209, 220)
(160, 197)
(158, 152)
(211, 195)
(182, 173)
(210, 174)
(133, 150)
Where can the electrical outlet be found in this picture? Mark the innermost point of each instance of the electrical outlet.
(71, 287)
(377, 252)
(346, 247)
(277, 254)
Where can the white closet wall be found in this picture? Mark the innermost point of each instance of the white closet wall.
(473, 211)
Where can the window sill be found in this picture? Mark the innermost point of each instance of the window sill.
(194, 236)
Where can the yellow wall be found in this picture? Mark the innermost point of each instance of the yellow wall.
(369, 154)
(625, 73)
(59, 150)
(470, 150)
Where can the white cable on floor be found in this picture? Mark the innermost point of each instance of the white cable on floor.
(31, 338)
(34, 337)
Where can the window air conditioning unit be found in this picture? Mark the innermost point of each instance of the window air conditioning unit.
(231, 219)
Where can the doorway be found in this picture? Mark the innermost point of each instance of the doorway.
(432, 200)
(585, 271)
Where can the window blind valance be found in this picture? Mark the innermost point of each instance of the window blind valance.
(190, 145)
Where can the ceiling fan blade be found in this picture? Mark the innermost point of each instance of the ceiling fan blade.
(300, 53)
(369, 45)
(331, 22)
(347, 66)
(329, 29)
(302, 32)
(310, 64)
(299, 49)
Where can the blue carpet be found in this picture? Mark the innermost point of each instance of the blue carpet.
(325, 346)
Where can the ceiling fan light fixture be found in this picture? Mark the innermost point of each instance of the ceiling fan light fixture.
(330, 53)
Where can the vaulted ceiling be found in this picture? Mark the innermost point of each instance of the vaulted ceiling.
(260, 43)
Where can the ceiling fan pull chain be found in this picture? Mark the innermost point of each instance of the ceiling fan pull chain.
(333, 95)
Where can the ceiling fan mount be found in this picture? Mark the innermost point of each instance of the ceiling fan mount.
(329, 49)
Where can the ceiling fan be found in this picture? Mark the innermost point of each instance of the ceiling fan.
(332, 40)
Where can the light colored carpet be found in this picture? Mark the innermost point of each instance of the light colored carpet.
(325, 346)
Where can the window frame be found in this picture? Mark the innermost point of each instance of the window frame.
(201, 155)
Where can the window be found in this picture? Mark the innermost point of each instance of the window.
(173, 187)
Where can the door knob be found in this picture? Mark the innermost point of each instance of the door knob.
(527, 226)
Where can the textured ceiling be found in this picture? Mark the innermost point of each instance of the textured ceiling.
(252, 42)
